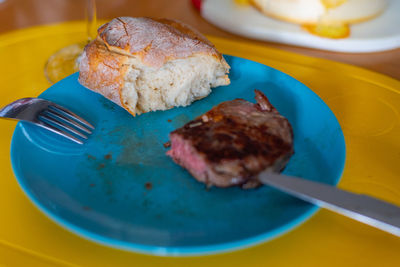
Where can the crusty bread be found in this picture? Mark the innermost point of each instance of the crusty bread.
(144, 64)
(314, 11)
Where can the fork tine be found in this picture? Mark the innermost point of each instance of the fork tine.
(72, 115)
(68, 120)
(59, 131)
(59, 124)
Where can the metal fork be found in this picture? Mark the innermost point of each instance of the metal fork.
(50, 116)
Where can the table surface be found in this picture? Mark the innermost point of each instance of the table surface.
(27, 238)
(16, 14)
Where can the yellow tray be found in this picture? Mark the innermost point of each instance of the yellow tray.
(367, 105)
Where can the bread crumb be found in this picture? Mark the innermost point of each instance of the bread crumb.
(101, 166)
(167, 144)
(148, 186)
(195, 124)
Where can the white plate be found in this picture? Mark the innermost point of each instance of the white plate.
(379, 34)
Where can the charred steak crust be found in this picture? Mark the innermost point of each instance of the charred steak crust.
(233, 142)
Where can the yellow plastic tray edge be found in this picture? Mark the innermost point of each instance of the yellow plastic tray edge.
(17, 36)
(262, 51)
(239, 48)
(236, 48)
(40, 256)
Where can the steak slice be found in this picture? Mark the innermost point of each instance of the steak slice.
(233, 142)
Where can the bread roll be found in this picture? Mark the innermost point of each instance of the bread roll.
(313, 11)
(144, 64)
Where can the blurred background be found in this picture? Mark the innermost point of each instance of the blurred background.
(17, 14)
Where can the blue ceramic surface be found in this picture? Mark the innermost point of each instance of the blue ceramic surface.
(120, 189)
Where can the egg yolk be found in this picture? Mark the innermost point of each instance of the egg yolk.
(333, 3)
(242, 2)
(322, 28)
(329, 31)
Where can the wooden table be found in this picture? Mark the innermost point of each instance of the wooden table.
(16, 14)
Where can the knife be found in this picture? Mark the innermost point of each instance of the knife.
(363, 208)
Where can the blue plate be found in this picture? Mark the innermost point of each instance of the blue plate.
(121, 190)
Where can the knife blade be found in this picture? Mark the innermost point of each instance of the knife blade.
(363, 208)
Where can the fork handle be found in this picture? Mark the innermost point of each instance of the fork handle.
(16, 108)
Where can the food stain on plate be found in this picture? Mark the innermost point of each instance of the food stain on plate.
(104, 178)
(148, 185)
(179, 120)
(108, 105)
(137, 150)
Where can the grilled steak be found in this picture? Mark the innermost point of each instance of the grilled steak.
(233, 142)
